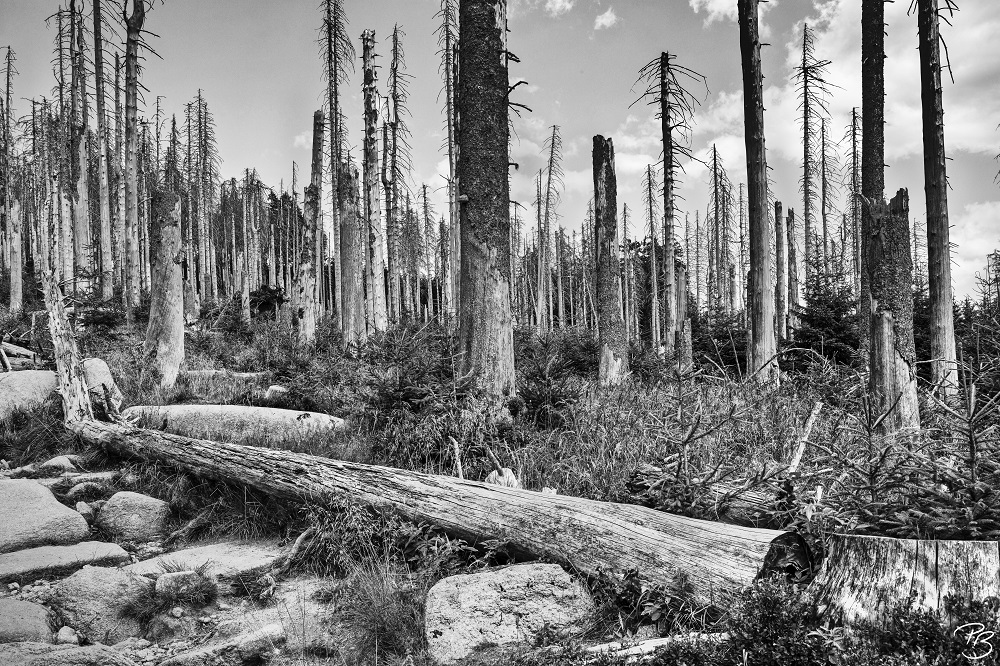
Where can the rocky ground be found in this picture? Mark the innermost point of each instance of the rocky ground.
(85, 579)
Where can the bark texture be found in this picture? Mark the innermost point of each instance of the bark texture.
(610, 324)
(486, 332)
(164, 348)
(587, 535)
(763, 345)
(133, 25)
(352, 244)
(862, 577)
(375, 306)
(306, 277)
(872, 141)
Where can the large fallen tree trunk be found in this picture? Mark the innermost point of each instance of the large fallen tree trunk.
(588, 536)
(864, 577)
(238, 424)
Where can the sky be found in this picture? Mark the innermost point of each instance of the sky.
(257, 63)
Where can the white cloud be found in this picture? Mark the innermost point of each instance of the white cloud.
(976, 227)
(303, 139)
(606, 20)
(558, 7)
(719, 10)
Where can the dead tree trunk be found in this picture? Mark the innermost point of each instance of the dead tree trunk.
(892, 355)
(590, 536)
(793, 276)
(134, 25)
(781, 283)
(944, 363)
(164, 348)
(762, 353)
(70, 376)
(352, 245)
(610, 324)
(872, 142)
(15, 224)
(863, 577)
(377, 316)
(486, 334)
(106, 259)
(306, 277)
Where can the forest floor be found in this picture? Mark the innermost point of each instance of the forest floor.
(406, 407)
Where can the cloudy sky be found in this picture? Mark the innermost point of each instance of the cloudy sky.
(258, 66)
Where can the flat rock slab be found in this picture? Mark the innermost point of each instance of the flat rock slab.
(237, 424)
(245, 648)
(503, 606)
(28, 389)
(33, 517)
(47, 561)
(94, 601)
(24, 621)
(228, 561)
(43, 654)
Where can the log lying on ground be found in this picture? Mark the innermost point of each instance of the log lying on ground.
(224, 375)
(237, 424)
(862, 577)
(28, 389)
(582, 534)
(18, 351)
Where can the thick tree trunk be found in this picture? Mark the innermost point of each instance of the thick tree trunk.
(71, 379)
(863, 577)
(134, 26)
(15, 224)
(351, 257)
(590, 536)
(610, 324)
(944, 365)
(164, 348)
(238, 424)
(486, 333)
(306, 277)
(872, 142)
(82, 259)
(892, 355)
(763, 348)
(377, 316)
(106, 259)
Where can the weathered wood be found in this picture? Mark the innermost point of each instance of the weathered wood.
(70, 375)
(584, 534)
(864, 576)
(610, 324)
(234, 423)
(164, 346)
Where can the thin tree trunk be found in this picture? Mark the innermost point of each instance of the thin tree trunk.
(134, 25)
(762, 308)
(15, 224)
(793, 276)
(872, 142)
(486, 334)
(944, 365)
(107, 260)
(670, 323)
(377, 316)
(83, 261)
(781, 284)
(611, 330)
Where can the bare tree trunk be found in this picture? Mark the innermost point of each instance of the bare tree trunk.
(793, 276)
(15, 225)
(610, 325)
(486, 334)
(944, 365)
(781, 284)
(352, 245)
(872, 142)
(107, 261)
(762, 307)
(83, 262)
(892, 355)
(377, 316)
(669, 279)
(134, 25)
(164, 348)
(306, 277)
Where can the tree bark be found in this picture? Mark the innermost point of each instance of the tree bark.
(238, 424)
(944, 364)
(669, 278)
(377, 316)
(892, 356)
(15, 224)
(164, 347)
(793, 277)
(306, 277)
(486, 333)
(863, 577)
(872, 142)
(351, 257)
(587, 535)
(613, 341)
(781, 283)
(133, 24)
(763, 348)
(71, 379)
(106, 259)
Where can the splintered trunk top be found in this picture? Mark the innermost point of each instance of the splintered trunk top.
(610, 324)
(486, 338)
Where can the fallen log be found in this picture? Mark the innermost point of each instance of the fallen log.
(238, 424)
(13, 350)
(862, 577)
(586, 535)
(224, 375)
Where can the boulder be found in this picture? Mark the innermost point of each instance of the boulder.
(132, 516)
(57, 465)
(248, 647)
(86, 511)
(33, 517)
(24, 621)
(28, 389)
(67, 636)
(95, 602)
(88, 490)
(43, 654)
(48, 561)
(504, 606)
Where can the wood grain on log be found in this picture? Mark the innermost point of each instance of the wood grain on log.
(584, 534)
(864, 576)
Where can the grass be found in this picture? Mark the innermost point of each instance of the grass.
(202, 592)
